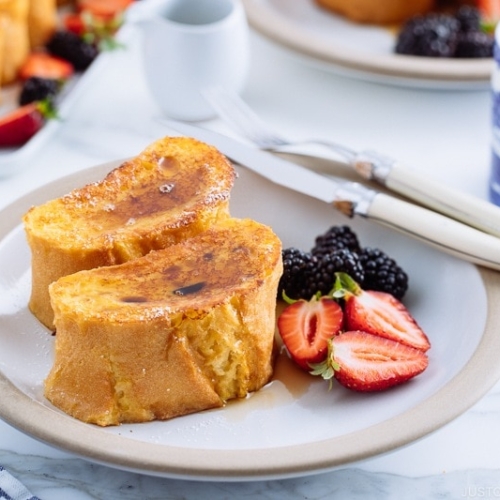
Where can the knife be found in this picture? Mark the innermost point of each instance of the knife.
(461, 206)
(369, 165)
(354, 199)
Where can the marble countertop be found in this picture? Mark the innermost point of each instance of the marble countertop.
(445, 134)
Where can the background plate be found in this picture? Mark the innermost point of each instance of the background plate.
(293, 426)
(362, 51)
(11, 159)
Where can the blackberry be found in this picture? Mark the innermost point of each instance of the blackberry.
(72, 48)
(433, 35)
(335, 238)
(296, 264)
(474, 44)
(321, 277)
(38, 89)
(382, 273)
(469, 18)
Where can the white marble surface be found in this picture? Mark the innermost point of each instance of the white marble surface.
(444, 134)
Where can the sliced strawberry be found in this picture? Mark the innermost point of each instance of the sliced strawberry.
(44, 65)
(379, 313)
(490, 14)
(306, 326)
(489, 9)
(104, 9)
(20, 125)
(75, 23)
(364, 362)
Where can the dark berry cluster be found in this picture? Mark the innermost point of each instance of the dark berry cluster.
(72, 48)
(322, 277)
(65, 45)
(38, 89)
(382, 272)
(336, 238)
(446, 35)
(297, 265)
(338, 250)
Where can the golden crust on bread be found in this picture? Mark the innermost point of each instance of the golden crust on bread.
(175, 189)
(42, 21)
(378, 11)
(16, 44)
(177, 331)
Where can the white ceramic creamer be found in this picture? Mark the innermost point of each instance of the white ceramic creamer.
(190, 46)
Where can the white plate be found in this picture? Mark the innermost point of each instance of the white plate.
(293, 426)
(363, 51)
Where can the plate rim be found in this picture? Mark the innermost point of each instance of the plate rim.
(90, 442)
(397, 68)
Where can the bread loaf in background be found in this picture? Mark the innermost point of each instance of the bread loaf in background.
(378, 11)
(16, 43)
(42, 21)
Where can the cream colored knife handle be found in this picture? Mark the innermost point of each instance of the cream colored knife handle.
(461, 206)
(435, 229)
(458, 205)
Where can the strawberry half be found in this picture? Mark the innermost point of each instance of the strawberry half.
(489, 9)
(306, 326)
(490, 14)
(20, 125)
(364, 362)
(378, 313)
(45, 65)
(104, 9)
(94, 29)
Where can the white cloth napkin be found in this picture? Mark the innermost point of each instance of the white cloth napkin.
(12, 489)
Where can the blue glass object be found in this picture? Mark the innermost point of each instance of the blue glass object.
(494, 185)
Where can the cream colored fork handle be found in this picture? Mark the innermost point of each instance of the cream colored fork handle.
(458, 205)
(435, 229)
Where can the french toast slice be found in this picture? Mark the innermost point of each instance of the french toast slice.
(176, 188)
(177, 331)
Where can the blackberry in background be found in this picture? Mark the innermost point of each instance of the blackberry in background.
(382, 273)
(474, 44)
(433, 35)
(72, 48)
(38, 89)
(321, 277)
(444, 35)
(296, 264)
(469, 18)
(335, 238)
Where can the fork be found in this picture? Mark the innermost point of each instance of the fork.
(236, 112)
(370, 165)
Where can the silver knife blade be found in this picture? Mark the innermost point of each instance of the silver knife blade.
(352, 199)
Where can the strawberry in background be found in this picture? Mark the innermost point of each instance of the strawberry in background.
(87, 31)
(23, 123)
(490, 13)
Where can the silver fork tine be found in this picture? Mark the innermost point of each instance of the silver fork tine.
(233, 110)
(370, 165)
